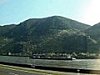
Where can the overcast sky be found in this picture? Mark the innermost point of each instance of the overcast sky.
(16, 11)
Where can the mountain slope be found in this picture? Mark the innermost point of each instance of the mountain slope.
(94, 31)
(45, 26)
(51, 34)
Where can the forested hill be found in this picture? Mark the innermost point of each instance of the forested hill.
(53, 34)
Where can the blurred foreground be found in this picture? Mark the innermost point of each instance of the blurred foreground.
(12, 70)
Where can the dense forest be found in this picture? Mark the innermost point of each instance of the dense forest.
(53, 34)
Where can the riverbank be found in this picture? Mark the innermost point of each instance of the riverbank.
(8, 70)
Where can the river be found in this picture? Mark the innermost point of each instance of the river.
(77, 63)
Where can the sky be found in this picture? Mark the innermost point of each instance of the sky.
(16, 11)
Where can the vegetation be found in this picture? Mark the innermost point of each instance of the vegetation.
(54, 34)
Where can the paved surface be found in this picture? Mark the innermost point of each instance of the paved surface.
(11, 70)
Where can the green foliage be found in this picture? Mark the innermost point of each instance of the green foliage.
(54, 34)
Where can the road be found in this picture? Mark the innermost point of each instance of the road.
(7, 70)
(12, 70)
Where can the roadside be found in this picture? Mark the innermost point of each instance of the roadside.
(13, 70)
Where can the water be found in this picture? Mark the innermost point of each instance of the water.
(77, 63)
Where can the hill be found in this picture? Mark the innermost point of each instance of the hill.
(53, 34)
(94, 33)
